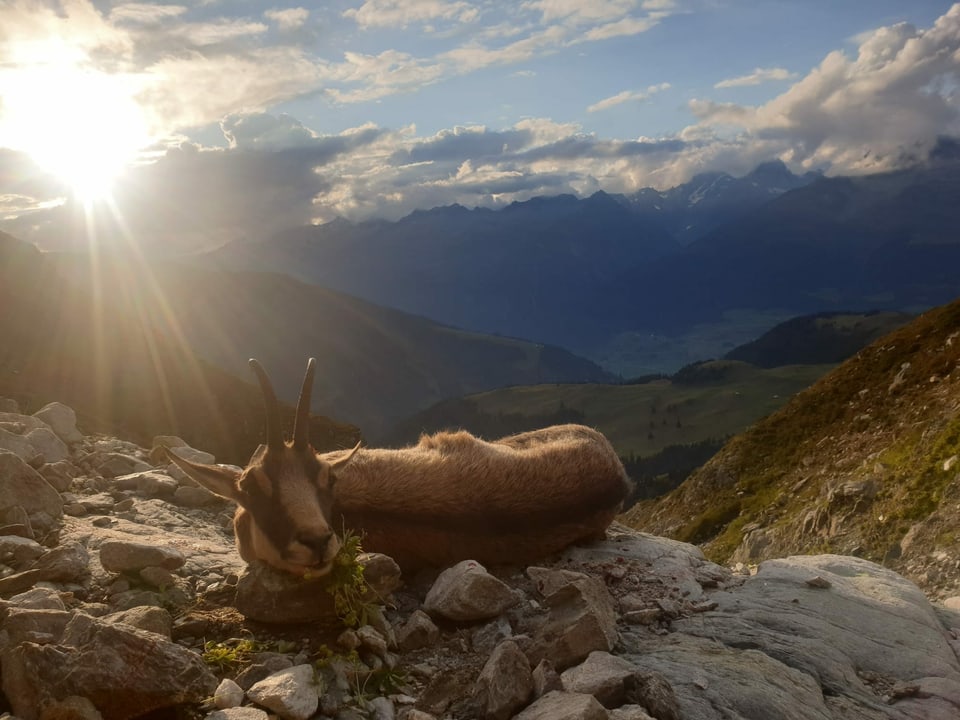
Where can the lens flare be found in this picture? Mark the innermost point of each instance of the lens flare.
(80, 124)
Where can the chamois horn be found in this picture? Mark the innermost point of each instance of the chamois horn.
(301, 425)
(274, 433)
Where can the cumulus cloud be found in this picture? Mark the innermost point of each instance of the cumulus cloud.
(288, 18)
(759, 75)
(221, 84)
(627, 96)
(868, 110)
(580, 12)
(144, 13)
(863, 113)
(368, 77)
(401, 13)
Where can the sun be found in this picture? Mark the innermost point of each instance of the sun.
(82, 125)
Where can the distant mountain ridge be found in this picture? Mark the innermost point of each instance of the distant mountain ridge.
(521, 272)
(886, 241)
(536, 269)
(580, 273)
(820, 338)
(691, 210)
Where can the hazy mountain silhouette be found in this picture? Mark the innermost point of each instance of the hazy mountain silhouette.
(577, 272)
(374, 364)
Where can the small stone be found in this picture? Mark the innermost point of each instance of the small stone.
(124, 505)
(505, 684)
(381, 709)
(238, 713)
(564, 706)
(486, 637)
(647, 616)
(602, 675)
(188, 453)
(291, 693)
(952, 603)
(630, 712)
(193, 496)
(158, 577)
(467, 592)
(22, 486)
(263, 666)
(19, 552)
(228, 694)
(414, 714)
(372, 640)
(62, 420)
(417, 632)
(59, 474)
(818, 582)
(669, 608)
(116, 464)
(348, 640)
(121, 556)
(67, 563)
(581, 619)
(545, 678)
(39, 598)
(145, 617)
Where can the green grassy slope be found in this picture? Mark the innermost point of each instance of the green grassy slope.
(853, 464)
(643, 419)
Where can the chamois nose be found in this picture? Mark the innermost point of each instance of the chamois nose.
(317, 543)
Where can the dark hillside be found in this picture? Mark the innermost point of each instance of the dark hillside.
(821, 338)
(374, 364)
(62, 342)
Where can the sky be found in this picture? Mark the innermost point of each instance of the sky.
(184, 126)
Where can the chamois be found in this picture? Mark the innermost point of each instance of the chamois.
(451, 497)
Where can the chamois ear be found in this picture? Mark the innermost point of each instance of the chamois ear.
(344, 459)
(218, 480)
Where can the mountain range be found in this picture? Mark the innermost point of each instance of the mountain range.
(582, 272)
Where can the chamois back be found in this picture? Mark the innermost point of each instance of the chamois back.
(454, 496)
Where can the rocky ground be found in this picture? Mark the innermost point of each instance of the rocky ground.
(123, 597)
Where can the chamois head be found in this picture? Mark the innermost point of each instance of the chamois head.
(284, 495)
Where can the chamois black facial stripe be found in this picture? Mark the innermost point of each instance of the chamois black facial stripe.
(270, 516)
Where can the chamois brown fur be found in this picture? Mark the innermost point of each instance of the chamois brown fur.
(454, 496)
(451, 497)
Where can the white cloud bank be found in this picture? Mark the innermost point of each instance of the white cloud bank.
(873, 110)
(863, 113)
(759, 75)
(627, 96)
